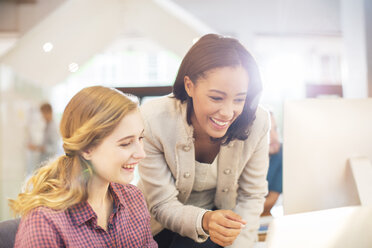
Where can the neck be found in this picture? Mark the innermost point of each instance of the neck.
(100, 200)
(98, 193)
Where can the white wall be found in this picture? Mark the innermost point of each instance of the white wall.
(354, 28)
(245, 18)
(368, 22)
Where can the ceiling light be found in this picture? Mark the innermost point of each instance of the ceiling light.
(47, 47)
(73, 67)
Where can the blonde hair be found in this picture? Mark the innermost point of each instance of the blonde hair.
(90, 116)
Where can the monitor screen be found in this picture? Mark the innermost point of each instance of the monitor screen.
(319, 136)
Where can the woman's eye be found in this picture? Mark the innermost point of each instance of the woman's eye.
(240, 100)
(125, 144)
(141, 138)
(216, 98)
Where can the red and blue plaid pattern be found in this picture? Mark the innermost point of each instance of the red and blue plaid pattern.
(128, 225)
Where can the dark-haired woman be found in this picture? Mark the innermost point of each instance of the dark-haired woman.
(204, 177)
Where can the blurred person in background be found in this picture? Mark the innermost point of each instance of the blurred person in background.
(50, 145)
(275, 173)
(83, 198)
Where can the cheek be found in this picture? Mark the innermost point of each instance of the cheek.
(204, 111)
(239, 110)
(205, 106)
(122, 156)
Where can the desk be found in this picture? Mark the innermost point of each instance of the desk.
(346, 227)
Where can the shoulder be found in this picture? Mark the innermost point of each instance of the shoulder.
(259, 128)
(40, 228)
(165, 106)
(45, 213)
(262, 117)
(162, 115)
(42, 219)
(261, 124)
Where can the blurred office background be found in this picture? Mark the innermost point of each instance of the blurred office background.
(50, 49)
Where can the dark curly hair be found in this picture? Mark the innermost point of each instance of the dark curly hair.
(215, 51)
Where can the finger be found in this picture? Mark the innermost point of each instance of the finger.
(235, 217)
(226, 232)
(228, 223)
(222, 240)
(218, 242)
(221, 243)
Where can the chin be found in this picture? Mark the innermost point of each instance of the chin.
(215, 135)
(126, 180)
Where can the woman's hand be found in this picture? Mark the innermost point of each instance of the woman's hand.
(223, 226)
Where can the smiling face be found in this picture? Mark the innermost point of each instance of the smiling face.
(115, 158)
(218, 99)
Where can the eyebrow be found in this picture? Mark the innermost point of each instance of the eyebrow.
(223, 93)
(130, 136)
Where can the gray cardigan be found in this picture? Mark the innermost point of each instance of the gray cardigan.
(167, 173)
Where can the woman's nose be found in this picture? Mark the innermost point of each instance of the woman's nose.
(227, 111)
(139, 152)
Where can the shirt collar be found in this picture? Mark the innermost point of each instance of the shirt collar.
(82, 212)
(116, 195)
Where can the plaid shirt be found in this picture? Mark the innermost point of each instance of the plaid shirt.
(128, 225)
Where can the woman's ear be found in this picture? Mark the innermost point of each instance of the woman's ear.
(189, 86)
(87, 154)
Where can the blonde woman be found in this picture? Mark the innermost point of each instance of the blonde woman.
(83, 199)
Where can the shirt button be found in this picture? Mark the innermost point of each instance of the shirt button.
(186, 148)
(186, 175)
(225, 190)
(227, 171)
(110, 226)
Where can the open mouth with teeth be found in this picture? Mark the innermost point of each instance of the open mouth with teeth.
(219, 124)
(129, 166)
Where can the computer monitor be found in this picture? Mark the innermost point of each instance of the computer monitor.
(319, 138)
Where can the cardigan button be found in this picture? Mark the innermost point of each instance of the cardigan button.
(225, 190)
(227, 171)
(186, 175)
(186, 148)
